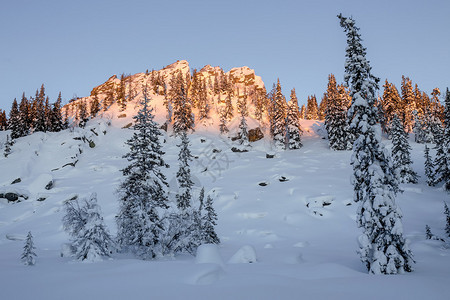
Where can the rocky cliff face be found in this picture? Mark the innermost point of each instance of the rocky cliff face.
(118, 97)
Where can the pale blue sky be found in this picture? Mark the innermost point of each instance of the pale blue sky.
(72, 46)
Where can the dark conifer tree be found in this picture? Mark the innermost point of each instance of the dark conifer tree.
(382, 247)
(294, 130)
(40, 120)
(28, 255)
(209, 222)
(142, 194)
(56, 115)
(336, 122)
(223, 120)
(14, 123)
(323, 107)
(228, 112)
(203, 103)
(182, 111)
(429, 169)
(83, 114)
(25, 116)
(95, 105)
(401, 152)
(3, 120)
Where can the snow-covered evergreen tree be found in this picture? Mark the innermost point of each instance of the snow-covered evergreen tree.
(93, 240)
(312, 109)
(8, 144)
(382, 247)
(429, 170)
(243, 111)
(74, 219)
(209, 222)
(188, 235)
(442, 160)
(447, 219)
(28, 254)
(142, 193)
(336, 122)
(401, 152)
(223, 120)
(294, 130)
(279, 117)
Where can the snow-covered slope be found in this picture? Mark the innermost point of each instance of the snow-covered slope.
(291, 216)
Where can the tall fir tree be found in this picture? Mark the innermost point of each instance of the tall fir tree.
(182, 111)
(209, 221)
(383, 249)
(25, 116)
(401, 152)
(187, 225)
(279, 117)
(142, 194)
(95, 105)
(408, 104)
(28, 254)
(56, 115)
(3, 120)
(442, 160)
(40, 115)
(336, 122)
(294, 130)
(429, 168)
(243, 111)
(447, 219)
(312, 110)
(391, 103)
(14, 123)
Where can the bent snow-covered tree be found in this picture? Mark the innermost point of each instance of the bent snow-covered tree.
(382, 247)
(93, 241)
(142, 194)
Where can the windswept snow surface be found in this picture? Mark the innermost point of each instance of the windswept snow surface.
(298, 229)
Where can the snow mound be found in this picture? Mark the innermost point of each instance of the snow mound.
(208, 254)
(245, 255)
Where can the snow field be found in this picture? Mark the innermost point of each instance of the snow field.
(291, 238)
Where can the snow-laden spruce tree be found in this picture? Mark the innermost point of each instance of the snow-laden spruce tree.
(447, 219)
(429, 171)
(243, 111)
(442, 160)
(142, 195)
(28, 254)
(336, 122)
(187, 223)
(92, 241)
(401, 152)
(279, 117)
(382, 247)
(294, 130)
(209, 235)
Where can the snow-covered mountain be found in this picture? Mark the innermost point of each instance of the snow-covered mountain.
(287, 223)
